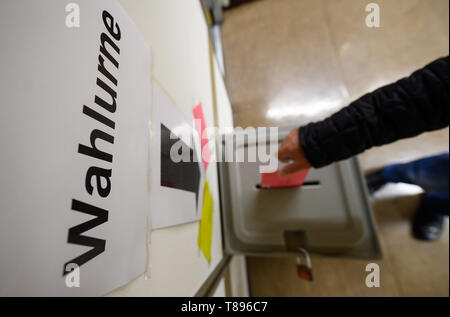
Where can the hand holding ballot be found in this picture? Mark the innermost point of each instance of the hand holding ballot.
(291, 151)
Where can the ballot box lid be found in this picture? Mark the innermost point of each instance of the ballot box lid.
(329, 214)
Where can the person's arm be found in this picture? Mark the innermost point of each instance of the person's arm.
(410, 106)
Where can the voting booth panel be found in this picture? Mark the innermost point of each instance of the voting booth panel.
(75, 113)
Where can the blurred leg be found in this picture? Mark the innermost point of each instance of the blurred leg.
(430, 173)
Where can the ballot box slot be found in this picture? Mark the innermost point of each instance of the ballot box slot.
(306, 184)
(311, 184)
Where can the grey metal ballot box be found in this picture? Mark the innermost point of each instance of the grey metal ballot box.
(330, 214)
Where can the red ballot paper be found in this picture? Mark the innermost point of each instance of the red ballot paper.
(200, 125)
(274, 180)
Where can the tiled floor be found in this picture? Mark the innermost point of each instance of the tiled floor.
(293, 61)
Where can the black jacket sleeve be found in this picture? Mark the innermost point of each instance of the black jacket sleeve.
(410, 106)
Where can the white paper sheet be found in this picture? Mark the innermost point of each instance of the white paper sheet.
(48, 72)
(171, 206)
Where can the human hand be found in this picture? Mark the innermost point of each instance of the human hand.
(291, 151)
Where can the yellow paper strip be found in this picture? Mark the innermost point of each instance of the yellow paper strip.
(205, 227)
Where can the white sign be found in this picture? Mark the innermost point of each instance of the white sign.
(176, 188)
(74, 110)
